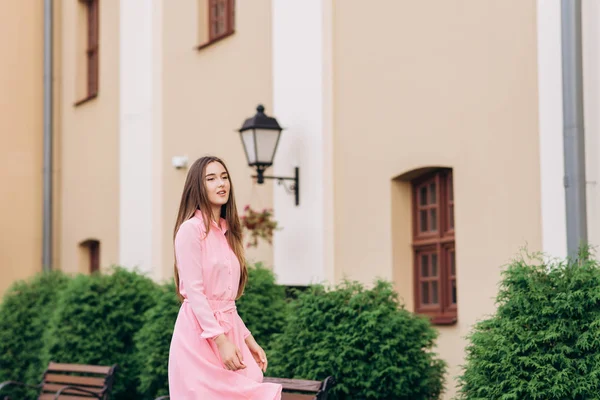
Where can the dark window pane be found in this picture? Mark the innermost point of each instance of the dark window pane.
(423, 196)
(425, 292)
(450, 188)
(433, 219)
(451, 212)
(423, 223)
(454, 291)
(434, 292)
(424, 265)
(434, 264)
(432, 193)
(452, 263)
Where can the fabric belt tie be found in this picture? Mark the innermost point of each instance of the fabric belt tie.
(220, 308)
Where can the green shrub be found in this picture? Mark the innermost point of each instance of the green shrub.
(543, 342)
(24, 314)
(364, 338)
(263, 306)
(95, 322)
(153, 342)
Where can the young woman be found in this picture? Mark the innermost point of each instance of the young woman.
(213, 355)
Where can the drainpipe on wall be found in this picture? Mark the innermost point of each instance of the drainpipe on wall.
(47, 212)
(573, 128)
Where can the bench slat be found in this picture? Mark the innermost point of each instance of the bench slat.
(75, 380)
(64, 397)
(296, 396)
(296, 384)
(92, 369)
(53, 388)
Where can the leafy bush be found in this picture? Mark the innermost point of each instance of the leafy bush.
(263, 306)
(153, 342)
(364, 338)
(95, 322)
(544, 340)
(24, 314)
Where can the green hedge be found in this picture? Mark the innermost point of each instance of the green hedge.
(120, 318)
(24, 314)
(543, 342)
(95, 322)
(364, 338)
(263, 305)
(153, 341)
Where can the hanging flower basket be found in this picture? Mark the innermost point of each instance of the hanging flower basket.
(258, 224)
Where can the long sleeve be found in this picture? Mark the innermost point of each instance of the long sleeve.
(188, 253)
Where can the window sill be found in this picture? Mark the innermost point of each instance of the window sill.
(215, 40)
(437, 316)
(86, 99)
(444, 320)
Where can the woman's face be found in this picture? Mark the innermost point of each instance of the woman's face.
(217, 183)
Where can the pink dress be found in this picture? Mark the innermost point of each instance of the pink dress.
(209, 275)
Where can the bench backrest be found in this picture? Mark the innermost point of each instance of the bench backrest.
(94, 378)
(310, 390)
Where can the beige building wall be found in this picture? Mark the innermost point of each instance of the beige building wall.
(88, 145)
(436, 84)
(207, 94)
(21, 135)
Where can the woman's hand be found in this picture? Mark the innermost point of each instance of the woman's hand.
(258, 353)
(230, 354)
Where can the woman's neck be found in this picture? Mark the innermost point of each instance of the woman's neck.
(216, 214)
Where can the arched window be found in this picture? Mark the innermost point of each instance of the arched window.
(91, 255)
(433, 245)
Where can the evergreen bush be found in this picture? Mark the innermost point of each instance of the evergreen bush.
(543, 342)
(24, 314)
(373, 347)
(263, 306)
(95, 322)
(153, 342)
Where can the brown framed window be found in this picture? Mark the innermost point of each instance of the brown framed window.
(434, 251)
(92, 25)
(221, 18)
(217, 21)
(91, 249)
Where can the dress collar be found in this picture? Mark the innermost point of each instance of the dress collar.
(222, 222)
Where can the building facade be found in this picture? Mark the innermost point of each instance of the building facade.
(428, 136)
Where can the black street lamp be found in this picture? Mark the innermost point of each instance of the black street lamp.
(260, 136)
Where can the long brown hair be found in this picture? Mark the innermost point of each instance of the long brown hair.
(194, 197)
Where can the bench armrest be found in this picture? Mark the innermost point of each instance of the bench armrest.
(162, 398)
(326, 386)
(77, 388)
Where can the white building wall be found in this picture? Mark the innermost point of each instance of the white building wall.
(303, 249)
(554, 231)
(591, 90)
(138, 28)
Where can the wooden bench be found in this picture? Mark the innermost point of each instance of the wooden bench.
(315, 390)
(309, 390)
(71, 382)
